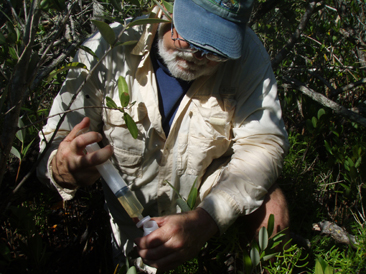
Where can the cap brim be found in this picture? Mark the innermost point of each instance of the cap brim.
(207, 30)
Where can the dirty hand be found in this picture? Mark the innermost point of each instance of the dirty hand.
(179, 238)
(72, 168)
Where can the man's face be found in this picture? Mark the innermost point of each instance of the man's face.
(183, 65)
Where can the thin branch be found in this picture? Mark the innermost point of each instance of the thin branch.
(339, 234)
(349, 86)
(295, 36)
(68, 108)
(324, 101)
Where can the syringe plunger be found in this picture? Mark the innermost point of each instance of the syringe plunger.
(108, 171)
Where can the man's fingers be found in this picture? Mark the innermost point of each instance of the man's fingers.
(78, 144)
(100, 156)
(83, 125)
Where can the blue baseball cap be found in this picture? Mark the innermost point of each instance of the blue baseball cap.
(213, 25)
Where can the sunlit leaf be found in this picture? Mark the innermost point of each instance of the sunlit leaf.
(167, 14)
(247, 262)
(168, 6)
(270, 225)
(16, 153)
(88, 50)
(106, 31)
(192, 197)
(128, 43)
(72, 65)
(269, 256)
(147, 21)
(328, 270)
(263, 238)
(254, 256)
(132, 270)
(183, 205)
(123, 91)
(110, 103)
(131, 125)
(318, 267)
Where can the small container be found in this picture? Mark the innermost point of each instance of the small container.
(148, 225)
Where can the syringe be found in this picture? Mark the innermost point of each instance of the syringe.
(118, 186)
(123, 193)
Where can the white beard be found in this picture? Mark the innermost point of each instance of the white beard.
(184, 65)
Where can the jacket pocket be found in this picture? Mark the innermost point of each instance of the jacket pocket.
(128, 152)
(209, 132)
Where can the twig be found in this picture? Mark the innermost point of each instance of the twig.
(295, 36)
(68, 108)
(336, 232)
(324, 101)
(349, 86)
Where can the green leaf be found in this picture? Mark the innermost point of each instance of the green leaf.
(106, 31)
(328, 270)
(147, 21)
(192, 197)
(263, 238)
(2, 39)
(132, 270)
(167, 14)
(116, 5)
(183, 205)
(131, 125)
(247, 262)
(20, 133)
(72, 65)
(270, 225)
(88, 50)
(16, 153)
(110, 103)
(327, 147)
(123, 91)
(13, 53)
(168, 6)
(321, 112)
(25, 150)
(314, 121)
(270, 256)
(175, 190)
(254, 256)
(128, 43)
(318, 268)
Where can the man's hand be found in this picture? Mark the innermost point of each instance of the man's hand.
(72, 168)
(179, 238)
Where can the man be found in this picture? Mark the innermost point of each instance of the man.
(206, 108)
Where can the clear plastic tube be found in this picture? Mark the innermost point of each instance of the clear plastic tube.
(118, 186)
(123, 193)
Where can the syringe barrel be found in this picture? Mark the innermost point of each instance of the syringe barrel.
(108, 171)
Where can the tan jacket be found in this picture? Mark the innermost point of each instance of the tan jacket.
(228, 131)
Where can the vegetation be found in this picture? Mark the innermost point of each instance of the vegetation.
(319, 57)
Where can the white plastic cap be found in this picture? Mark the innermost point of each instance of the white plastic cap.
(148, 225)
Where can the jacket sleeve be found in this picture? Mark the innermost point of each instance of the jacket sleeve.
(86, 104)
(259, 141)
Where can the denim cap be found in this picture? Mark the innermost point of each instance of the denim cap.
(213, 25)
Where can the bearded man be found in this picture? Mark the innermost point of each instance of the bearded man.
(206, 111)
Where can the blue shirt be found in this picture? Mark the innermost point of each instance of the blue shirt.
(171, 89)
